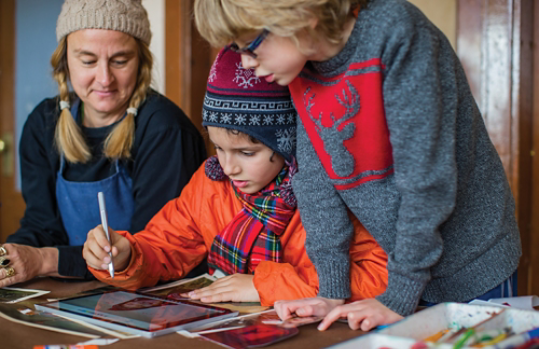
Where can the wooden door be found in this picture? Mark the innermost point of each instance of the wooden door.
(11, 202)
(494, 43)
(188, 59)
(533, 246)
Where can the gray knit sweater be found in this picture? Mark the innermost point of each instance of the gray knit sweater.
(389, 130)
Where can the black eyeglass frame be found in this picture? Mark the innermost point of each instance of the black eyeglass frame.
(253, 45)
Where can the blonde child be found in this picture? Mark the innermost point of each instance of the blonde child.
(390, 131)
(238, 209)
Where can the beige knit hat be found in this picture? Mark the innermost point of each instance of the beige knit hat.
(128, 16)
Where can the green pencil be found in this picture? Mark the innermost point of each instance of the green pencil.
(462, 340)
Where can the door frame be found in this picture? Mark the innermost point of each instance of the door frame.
(495, 46)
(188, 60)
(11, 201)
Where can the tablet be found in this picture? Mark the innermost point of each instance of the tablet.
(136, 313)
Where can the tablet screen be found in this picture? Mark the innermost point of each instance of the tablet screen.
(137, 311)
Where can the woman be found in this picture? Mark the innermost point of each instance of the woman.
(112, 134)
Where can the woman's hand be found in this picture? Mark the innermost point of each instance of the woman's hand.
(317, 306)
(365, 315)
(232, 288)
(26, 262)
(97, 247)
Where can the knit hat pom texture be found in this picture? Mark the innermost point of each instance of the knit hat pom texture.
(127, 16)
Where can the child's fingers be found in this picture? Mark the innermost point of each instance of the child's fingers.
(92, 261)
(354, 312)
(213, 295)
(307, 310)
(120, 248)
(376, 318)
(285, 309)
(196, 294)
(364, 315)
(316, 306)
(88, 254)
(204, 292)
(93, 248)
(218, 297)
(114, 236)
(367, 324)
(359, 320)
(226, 282)
(334, 315)
(237, 288)
(97, 247)
(101, 239)
(369, 321)
(370, 313)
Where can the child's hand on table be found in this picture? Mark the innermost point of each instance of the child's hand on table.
(232, 288)
(97, 247)
(317, 306)
(365, 315)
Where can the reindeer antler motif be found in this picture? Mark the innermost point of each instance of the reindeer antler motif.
(308, 106)
(351, 104)
(341, 159)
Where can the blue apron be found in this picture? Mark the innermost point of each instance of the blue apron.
(78, 204)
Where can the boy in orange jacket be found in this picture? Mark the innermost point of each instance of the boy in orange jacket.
(389, 131)
(238, 210)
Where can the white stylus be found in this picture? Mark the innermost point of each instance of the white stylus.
(105, 224)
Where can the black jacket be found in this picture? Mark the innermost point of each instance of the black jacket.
(168, 149)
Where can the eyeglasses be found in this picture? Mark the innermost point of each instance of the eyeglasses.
(250, 49)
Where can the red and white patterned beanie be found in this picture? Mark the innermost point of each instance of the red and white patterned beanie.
(237, 99)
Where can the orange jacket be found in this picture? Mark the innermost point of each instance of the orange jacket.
(180, 235)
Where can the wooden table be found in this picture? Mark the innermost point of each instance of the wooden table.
(15, 336)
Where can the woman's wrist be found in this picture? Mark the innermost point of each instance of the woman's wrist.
(49, 261)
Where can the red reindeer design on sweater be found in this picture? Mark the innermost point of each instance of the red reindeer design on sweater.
(345, 120)
(343, 165)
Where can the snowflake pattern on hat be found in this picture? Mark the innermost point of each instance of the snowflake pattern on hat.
(237, 99)
(245, 77)
(286, 139)
(213, 69)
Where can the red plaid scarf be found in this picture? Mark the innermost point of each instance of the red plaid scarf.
(253, 235)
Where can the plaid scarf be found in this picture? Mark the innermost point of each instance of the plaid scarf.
(253, 235)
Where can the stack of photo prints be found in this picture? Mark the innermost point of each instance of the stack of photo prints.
(150, 312)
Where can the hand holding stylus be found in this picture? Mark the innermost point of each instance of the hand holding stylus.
(105, 224)
(97, 247)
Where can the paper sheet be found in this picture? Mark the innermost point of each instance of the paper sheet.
(523, 302)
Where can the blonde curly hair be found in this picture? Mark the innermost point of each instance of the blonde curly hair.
(222, 21)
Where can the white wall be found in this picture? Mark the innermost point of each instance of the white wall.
(156, 13)
(443, 13)
(35, 41)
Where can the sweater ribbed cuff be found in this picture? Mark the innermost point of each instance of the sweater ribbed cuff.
(402, 294)
(334, 279)
(71, 263)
